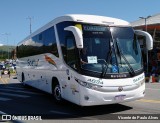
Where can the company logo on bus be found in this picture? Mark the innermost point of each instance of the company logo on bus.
(120, 89)
(50, 60)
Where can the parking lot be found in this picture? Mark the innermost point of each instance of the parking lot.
(15, 99)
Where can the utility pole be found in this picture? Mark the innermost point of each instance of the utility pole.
(30, 23)
(145, 22)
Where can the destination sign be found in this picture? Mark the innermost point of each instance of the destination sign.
(94, 28)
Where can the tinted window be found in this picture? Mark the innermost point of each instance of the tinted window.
(68, 45)
(49, 40)
(45, 42)
(62, 34)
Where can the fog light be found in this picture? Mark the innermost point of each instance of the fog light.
(86, 97)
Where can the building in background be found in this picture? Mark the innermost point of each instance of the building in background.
(151, 24)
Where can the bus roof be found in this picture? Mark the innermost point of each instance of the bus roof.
(92, 19)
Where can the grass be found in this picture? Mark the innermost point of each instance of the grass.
(7, 48)
(5, 51)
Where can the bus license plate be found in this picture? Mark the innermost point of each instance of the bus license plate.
(119, 97)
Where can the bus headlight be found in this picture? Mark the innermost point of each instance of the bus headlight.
(88, 85)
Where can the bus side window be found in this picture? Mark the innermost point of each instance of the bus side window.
(71, 57)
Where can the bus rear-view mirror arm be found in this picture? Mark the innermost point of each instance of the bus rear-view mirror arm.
(149, 39)
(77, 34)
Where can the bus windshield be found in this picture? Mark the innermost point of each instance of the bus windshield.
(110, 50)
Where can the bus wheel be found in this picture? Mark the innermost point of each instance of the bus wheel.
(57, 93)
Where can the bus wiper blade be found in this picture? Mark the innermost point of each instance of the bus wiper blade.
(105, 68)
(120, 52)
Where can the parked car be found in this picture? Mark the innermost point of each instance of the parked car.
(5, 72)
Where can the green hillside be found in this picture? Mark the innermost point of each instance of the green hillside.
(5, 52)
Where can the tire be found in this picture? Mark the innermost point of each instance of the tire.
(57, 93)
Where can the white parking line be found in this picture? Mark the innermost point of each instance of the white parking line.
(4, 99)
(21, 91)
(14, 95)
(17, 88)
(1, 112)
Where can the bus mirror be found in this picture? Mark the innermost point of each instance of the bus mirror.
(149, 39)
(77, 34)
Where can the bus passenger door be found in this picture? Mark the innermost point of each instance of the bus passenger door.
(72, 62)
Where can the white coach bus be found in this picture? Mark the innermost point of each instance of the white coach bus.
(85, 59)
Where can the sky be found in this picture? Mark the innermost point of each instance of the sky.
(14, 25)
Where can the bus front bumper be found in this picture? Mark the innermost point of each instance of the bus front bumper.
(89, 97)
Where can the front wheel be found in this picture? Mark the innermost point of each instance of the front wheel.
(57, 93)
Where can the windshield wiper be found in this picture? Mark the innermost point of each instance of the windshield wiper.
(105, 68)
(126, 61)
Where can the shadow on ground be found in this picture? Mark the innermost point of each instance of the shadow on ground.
(29, 101)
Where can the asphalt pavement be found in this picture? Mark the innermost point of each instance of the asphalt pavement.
(18, 100)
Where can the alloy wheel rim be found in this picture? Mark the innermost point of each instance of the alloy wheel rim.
(57, 93)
